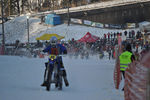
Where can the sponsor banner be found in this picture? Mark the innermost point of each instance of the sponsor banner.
(79, 21)
(131, 25)
(93, 24)
(107, 25)
(114, 26)
(86, 22)
(99, 25)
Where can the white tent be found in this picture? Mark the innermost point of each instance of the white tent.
(145, 25)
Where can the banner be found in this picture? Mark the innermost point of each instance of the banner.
(86, 22)
(117, 26)
(106, 25)
(79, 21)
(131, 25)
(100, 25)
(93, 24)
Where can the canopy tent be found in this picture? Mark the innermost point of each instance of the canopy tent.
(48, 36)
(88, 38)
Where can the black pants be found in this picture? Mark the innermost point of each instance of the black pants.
(123, 74)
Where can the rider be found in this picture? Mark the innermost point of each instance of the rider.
(56, 49)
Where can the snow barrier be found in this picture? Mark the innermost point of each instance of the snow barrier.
(137, 80)
(117, 74)
(2, 50)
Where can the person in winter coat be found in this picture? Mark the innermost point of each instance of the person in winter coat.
(114, 35)
(56, 49)
(133, 33)
(125, 33)
(126, 58)
(109, 53)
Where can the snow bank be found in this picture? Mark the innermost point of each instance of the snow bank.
(16, 29)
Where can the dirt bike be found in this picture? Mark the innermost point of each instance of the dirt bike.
(54, 73)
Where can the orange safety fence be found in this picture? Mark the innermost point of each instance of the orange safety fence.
(2, 50)
(137, 79)
(117, 74)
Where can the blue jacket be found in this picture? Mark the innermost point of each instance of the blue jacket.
(62, 49)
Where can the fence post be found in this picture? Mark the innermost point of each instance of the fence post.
(148, 86)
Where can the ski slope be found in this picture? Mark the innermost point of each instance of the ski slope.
(90, 79)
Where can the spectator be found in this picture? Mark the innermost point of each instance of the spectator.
(126, 58)
(111, 35)
(114, 35)
(125, 33)
(130, 34)
(108, 36)
(104, 36)
(133, 33)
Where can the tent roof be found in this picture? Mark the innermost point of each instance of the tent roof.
(88, 38)
(48, 36)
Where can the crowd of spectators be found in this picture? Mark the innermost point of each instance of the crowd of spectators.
(104, 47)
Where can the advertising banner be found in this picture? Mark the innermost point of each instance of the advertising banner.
(99, 25)
(131, 25)
(106, 25)
(93, 24)
(79, 21)
(86, 22)
(116, 26)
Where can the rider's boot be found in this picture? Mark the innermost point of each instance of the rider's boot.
(45, 73)
(44, 83)
(60, 86)
(56, 85)
(65, 78)
(66, 81)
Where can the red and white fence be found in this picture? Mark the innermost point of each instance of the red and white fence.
(137, 80)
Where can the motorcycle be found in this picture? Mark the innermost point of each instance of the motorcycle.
(54, 73)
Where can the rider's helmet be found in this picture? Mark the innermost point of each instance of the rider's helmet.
(53, 40)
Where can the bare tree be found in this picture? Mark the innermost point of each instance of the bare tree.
(25, 5)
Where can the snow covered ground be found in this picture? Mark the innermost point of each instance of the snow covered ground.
(21, 77)
(90, 79)
(16, 29)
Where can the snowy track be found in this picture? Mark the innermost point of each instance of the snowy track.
(92, 79)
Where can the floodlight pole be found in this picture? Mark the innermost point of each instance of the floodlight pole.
(28, 28)
(3, 35)
(68, 13)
